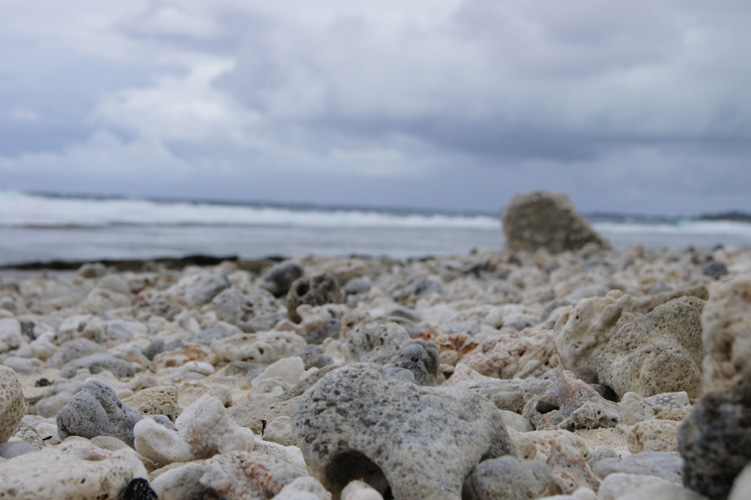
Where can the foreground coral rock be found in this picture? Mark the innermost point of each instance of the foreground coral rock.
(364, 421)
(568, 374)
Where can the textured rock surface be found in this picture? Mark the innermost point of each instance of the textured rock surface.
(256, 311)
(715, 441)
(160, 400)
(261, 347)
(542, 219)
(419, 357)
(583, 331)
(568, 403)
(73, 469)
(315, 290)
(726, 323)
(206, 413)
(375, 342)
(97, 411)
(421, 442)
(570, 469)
(653, 435)
(240, 475)
(12, 403)
(659, 352)
(508, 478)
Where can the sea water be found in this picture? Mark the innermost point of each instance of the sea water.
(40, 228)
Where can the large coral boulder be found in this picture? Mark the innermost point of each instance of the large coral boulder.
(542, 219)
(363, 422)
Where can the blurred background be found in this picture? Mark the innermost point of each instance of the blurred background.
(152, 128)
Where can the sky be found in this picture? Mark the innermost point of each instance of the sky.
(637, 107)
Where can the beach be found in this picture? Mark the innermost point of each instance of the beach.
(585, 373)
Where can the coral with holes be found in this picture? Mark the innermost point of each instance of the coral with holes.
(726, 323)
(256, 311)
(409, 441)
(375, 342)
(420, 358)
(316, 290)
(261, 347)
(568, 403)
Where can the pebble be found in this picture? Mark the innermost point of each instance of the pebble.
(97, 411)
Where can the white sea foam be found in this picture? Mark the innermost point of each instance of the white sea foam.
(19, 209)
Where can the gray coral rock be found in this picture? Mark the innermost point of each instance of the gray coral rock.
(419, 357)
(375, 342)
(256, 311)
(73, 349)
(715, 441)
(542, 219)
(97, 411)
(659, 352)
(280, 277)
(360, 422)
(202, 289)
(97, 363)
(508, 478)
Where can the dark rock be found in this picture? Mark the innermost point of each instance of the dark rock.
(715, 269)
(715, 442)
(507, 478)
(97, 411)
(317, 290)
(419, 357)
(359, 422)
(542, 219)
(42, 382)
(139, 489)
(280, 277)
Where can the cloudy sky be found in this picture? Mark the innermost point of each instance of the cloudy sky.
(641, 107)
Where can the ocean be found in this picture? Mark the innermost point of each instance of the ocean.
(43, 228)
